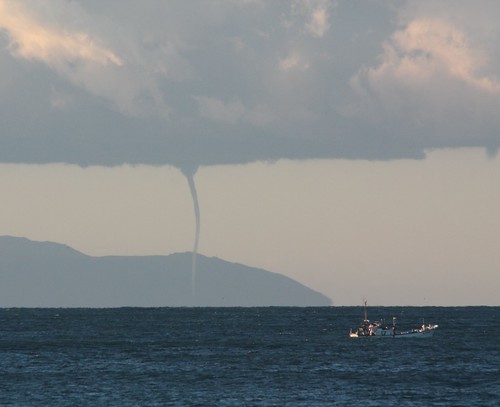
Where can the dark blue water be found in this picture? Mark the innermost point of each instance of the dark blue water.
(245, 357)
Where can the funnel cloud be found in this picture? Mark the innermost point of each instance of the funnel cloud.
(192, 187)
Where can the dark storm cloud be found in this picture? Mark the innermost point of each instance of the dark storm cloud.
(228, 82)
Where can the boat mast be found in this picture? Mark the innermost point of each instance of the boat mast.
(366, 312)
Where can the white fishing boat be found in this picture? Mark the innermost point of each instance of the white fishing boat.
(378, 329)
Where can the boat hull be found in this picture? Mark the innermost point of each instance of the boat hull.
(424, 332)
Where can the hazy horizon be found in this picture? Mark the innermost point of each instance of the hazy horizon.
(416, 251)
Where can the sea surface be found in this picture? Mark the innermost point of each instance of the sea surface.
(246, 357)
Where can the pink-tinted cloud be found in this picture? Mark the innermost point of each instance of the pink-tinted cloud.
(78, 55)
(31, 39)
(429, 74)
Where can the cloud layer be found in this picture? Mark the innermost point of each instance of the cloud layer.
(201, 83)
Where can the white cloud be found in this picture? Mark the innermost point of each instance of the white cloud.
(318, 24)
(32, 40)
(79, 56)
(428, 46)
(429, 74)
(313, 14)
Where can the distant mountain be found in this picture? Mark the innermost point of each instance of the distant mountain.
(46, 274)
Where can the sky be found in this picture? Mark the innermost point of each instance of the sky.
(350, 145)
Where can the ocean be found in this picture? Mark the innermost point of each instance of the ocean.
(276, 356)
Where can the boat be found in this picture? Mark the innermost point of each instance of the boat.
(378, 329)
